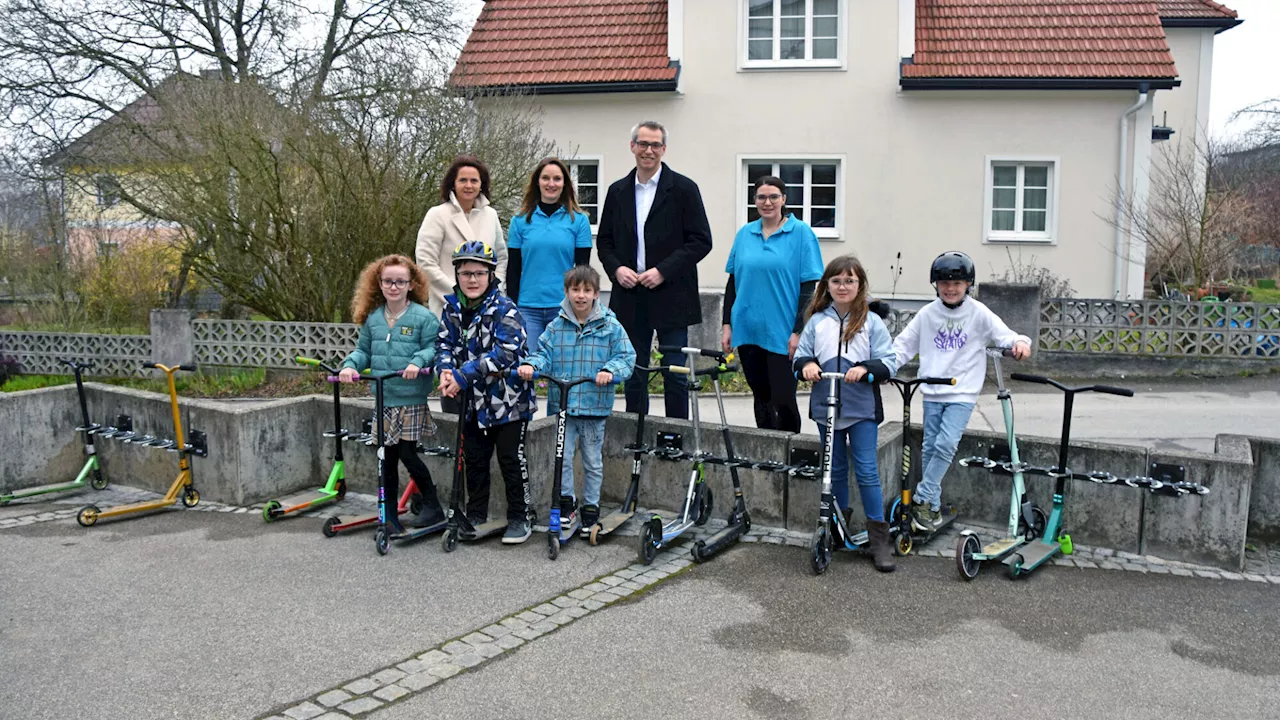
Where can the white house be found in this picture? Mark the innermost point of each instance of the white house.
(996, 127)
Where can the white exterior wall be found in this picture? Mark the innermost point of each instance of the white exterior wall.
(1187, 106)
(913, 163)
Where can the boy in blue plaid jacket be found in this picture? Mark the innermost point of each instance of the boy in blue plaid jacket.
(584, 340)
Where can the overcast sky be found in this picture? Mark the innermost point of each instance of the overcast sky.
(1246, 61)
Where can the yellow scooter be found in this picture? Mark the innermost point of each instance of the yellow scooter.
(197, 445)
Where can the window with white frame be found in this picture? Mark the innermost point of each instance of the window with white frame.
(1020, 200)
(813, 191)
(107, 190)
(586, 184)
(792, 33)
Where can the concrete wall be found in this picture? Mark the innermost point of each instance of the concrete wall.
(263, 450)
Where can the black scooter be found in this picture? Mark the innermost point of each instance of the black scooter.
(627, 510)
(899, 514)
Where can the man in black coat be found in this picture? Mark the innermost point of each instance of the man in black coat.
(655, 283)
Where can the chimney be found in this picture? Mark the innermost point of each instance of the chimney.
(906, 29)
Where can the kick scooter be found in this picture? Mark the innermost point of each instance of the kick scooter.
(615, 519)
(336, 487)
(197, 445)
(899, 514)
(557, 534)
(383, 536)
(698, 499)
(739, 521)
(1019, 551)
(91, 473)
(459, 526)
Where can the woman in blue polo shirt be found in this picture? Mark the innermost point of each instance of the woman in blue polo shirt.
(547, 239)
(773, 268)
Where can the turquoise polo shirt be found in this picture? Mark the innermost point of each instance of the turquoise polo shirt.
(767, 276)
(546, 246)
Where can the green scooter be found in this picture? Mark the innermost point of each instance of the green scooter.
(336, 487)
(91, 473)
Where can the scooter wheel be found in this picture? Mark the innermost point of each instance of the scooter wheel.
(190, 497)
(88, 515)
(329, 528)
(450, 541)
(905, 543)
(1039, 519)
(270, 510)
(820, 548)
(381, 541)
(415, 504)
(553, 546)
(1014, 567)
(699, 551)
(594, 537)
(705, 504)
(649, 542)
(342, 489)
(99, 481)
(966, 563)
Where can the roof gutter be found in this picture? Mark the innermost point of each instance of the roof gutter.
(1006, 83)
(1122, 193)
(1219, 24)
(581, 88)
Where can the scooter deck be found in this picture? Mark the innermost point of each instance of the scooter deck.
(1034, 555)
(345, 523)
(569, 532)
(1001, 546)
(134, 508)
(483, 530)
(411, 534)
(298, 501)
(42, 490)
(613, 521)
(857, 541)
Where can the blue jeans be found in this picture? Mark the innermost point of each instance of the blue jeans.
(587, 432)
(861, 439)
(536, 320)
(944, 423)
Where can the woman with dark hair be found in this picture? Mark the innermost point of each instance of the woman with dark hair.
(547, 239)
(463, 215)
(773, 267)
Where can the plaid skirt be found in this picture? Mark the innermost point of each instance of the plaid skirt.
(409, 422)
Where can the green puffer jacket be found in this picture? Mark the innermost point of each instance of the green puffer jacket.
(382, 349)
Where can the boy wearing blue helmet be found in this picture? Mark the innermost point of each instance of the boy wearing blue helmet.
(950, 335)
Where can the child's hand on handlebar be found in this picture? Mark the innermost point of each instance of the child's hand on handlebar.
(604, 377)
(525, 372)
(1021, 351)
(448, 388)
(855, 374)
(811, 372)
(348, 375)
(410, 372)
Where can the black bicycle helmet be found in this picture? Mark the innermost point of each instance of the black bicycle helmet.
(952, 265)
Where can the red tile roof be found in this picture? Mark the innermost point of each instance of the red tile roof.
(1194, 9)
(545, 43)
(1040, 39)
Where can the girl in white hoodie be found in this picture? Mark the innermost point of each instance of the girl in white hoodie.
(951, 335)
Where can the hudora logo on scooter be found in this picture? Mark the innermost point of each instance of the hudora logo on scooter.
(951, 336)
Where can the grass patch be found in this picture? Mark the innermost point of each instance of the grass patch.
(18, 383)
(1265, 295)
(92, 330)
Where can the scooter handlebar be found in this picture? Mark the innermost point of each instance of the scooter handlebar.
(1123, 392)
(1108, 389)
(315, 363)
(370, 377)
(158, 366)
(1038, 379)
(704, 352)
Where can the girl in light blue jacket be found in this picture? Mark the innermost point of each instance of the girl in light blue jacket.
(842, 335)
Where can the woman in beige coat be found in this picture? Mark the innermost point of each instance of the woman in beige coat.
(464, 215)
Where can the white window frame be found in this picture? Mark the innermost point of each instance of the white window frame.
(1050, 234)
(840, 62)
(838, 159)
(601, 185)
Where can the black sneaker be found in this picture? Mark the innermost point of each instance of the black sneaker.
(517, 532)
(568, 511)
(590, 516)
(429, 516)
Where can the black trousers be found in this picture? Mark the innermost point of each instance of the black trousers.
(508, 440)
(675, 388)
(406, 451)
(773, 386)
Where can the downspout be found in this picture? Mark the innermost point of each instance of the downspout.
(1122, 192)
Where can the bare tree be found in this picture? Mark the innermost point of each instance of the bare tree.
(1196, 217)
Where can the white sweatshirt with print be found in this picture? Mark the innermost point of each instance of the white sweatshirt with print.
(950, 343)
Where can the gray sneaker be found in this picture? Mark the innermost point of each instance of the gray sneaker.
(924, 519)
(517, 532)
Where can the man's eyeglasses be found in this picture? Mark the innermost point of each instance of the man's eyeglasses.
(843, 282)
(398, 284)
(473, 274)
(768, 198)
(644, 145)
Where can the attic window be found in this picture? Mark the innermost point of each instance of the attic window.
(107, 189)
(792, 33)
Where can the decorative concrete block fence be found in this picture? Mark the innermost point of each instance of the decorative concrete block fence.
(260, 450)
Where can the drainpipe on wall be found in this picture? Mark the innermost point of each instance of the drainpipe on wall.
(1122, 192)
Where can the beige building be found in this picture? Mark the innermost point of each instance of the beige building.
(901, 126)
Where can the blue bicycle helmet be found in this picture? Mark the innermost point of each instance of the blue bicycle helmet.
(475, 251)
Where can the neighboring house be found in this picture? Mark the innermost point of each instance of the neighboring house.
(995, 127)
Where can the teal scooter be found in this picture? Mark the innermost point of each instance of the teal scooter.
(90, 474)
(1033, 538)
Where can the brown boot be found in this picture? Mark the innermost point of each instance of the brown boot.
(881, 545)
